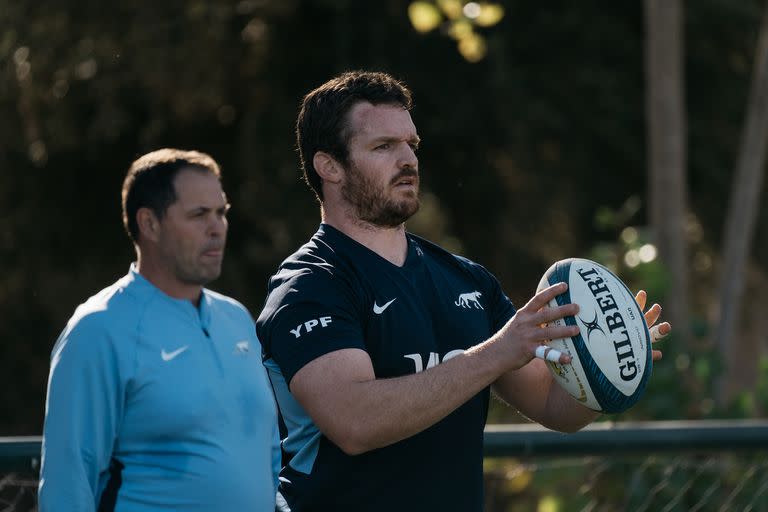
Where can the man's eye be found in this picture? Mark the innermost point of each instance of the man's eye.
(383, 146)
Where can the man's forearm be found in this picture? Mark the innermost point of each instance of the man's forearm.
(374, 413)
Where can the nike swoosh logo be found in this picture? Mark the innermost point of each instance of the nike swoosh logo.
(380, 309)
(167, 356)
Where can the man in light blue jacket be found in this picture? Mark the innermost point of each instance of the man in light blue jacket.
(157, 396)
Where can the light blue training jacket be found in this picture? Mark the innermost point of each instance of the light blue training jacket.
(154, 404)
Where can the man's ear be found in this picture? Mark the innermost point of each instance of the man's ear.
(149, 224)
(327, 167)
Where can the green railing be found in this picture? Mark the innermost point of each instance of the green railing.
(628, 438)
(20, 454)
(23, 453)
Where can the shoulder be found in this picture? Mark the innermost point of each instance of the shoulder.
(320, 265)
(108, 316)
(320, 255)
(473, 274)
(111, 308)
(318, 279)
(444, 256)
(310, 287)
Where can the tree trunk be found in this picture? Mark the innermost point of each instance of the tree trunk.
(740, 220)
(666, 134)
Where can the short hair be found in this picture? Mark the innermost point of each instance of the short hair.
(149, 182)
(322, 124)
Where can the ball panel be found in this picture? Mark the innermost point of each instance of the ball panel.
(571, 376)
(641, 338)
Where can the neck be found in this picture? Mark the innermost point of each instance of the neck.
(389, 243)
(164, 279)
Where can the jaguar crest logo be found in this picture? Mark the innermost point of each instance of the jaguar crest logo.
(469, 300)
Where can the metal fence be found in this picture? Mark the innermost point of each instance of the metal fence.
(654, 466)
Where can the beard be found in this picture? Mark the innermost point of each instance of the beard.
(370, 203)
(190, 268)
(198, 274)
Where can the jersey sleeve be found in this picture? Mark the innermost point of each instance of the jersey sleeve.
(305, 317)
(500, 306)
(503, 309)
(83, 409)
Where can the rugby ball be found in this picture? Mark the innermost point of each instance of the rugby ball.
(611, 355)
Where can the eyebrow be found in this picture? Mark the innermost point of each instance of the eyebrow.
(226, 207)
(415, 139)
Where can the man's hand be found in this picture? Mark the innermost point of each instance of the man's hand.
(527, 332)
(651, 317)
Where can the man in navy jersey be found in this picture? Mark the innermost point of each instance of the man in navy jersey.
(382, 347)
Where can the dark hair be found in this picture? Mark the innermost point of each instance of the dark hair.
(322, 122)
(149, 182)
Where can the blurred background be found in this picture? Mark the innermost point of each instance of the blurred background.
(632, 133)
(537, 146)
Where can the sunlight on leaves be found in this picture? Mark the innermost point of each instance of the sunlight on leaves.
(21, 55)
(460, 30)
(86, 69)
(490, 14)
(255, 31)
(549, 504)
(424, 16)
(462, 20)
(453, 9)
(629, 235)
(518, 479)
(471, 10)
(38, 153)
(473, 47)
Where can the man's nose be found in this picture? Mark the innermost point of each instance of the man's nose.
(217, 226)
(408, 158)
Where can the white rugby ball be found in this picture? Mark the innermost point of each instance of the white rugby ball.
(612, 352)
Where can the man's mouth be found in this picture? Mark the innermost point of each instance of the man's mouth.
(214, 252)
(406, 181)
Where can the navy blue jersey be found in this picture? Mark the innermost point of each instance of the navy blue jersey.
(335, 293)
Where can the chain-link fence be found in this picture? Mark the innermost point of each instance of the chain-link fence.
(654, 483)
(650, 467)
(646, 467)
(19, 470)
(18, 492)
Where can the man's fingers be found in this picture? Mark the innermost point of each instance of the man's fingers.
(550, 354)
(557, 332)
(641, 297)
(542, 298)
(547, 353)
(549, 314)
(660, 331)
(652, 315)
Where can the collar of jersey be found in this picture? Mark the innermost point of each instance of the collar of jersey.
(411, 259)
(142, 285)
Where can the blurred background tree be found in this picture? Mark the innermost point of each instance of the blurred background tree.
(534, 150)
(735, 342)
